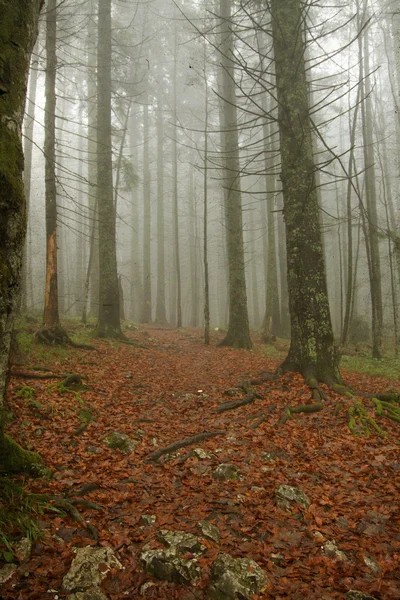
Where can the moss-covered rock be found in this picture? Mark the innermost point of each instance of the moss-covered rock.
(287, 495)
(225, 472)
(85, 573)
(168, 565)
(120, 441)
(236, 579)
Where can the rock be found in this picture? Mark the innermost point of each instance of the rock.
(180, 541)
(356, 595)
(120, 441)
(372, 564)
(93, 593)
(286, 495)
(226, 472)
(147, 519)
(209, 530)
(7, 572)
(23, 549)
(201, 454)
(85, 572)
(169, 566)
(331, 550)
(94, 450)
(236, 578)
(277, 559)
(268, 456)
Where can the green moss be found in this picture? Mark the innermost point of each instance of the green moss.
(14, 459)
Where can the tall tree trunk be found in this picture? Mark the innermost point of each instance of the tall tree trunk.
(18, 31)
(175, 196)
(161, 313)
(136, 279)
(205, 211)
(147, 300)
(312, 352)
(108, 324)
(92, 155)
(26, 275)
(238, 332)
(51, 319)
(194, 274)
(372, 238)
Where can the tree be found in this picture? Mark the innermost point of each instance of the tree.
(238, 334)
(108, 324)
(312, 352)
(51, 330)
(18, 33)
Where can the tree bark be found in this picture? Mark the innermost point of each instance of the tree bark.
(18, 31)
(238, 334)
(108, 324)
(51, 319)
(312, 352)
(147, 300)
(161, 313)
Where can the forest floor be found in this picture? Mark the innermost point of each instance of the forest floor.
(164, 390)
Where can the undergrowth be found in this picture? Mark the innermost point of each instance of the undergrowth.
(19, 512)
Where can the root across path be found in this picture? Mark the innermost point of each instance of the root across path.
(165, 397)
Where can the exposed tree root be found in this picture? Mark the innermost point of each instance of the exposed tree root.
(57, 336)
(14, 459)
(200, 437)
(303, 408)
(251, 397)
(24, 375)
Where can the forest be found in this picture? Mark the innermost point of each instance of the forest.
(199, 299)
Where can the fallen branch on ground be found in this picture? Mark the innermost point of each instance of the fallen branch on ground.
(200, 437)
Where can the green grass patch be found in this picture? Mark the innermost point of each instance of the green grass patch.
(385, 367)
(19, 512)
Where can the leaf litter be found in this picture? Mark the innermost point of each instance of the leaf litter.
(166, 391)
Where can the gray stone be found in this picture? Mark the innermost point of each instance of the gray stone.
(23, 549)
(372, 564)
(7, 572)
(180, 541)
(168, 565)
(147, 519)
(226, 472)
(286, 495)
(331, 550)
(84, 572)
(209, 530)
(93, 593)
(236, 579)
(201, 454)
(120, 441)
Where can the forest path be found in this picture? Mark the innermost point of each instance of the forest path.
(168, 389)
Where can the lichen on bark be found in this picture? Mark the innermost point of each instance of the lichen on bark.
(312, 351)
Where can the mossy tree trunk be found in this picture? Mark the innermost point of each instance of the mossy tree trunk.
(312, 351)
(108, 324)
(18, 31)
(238, 331)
